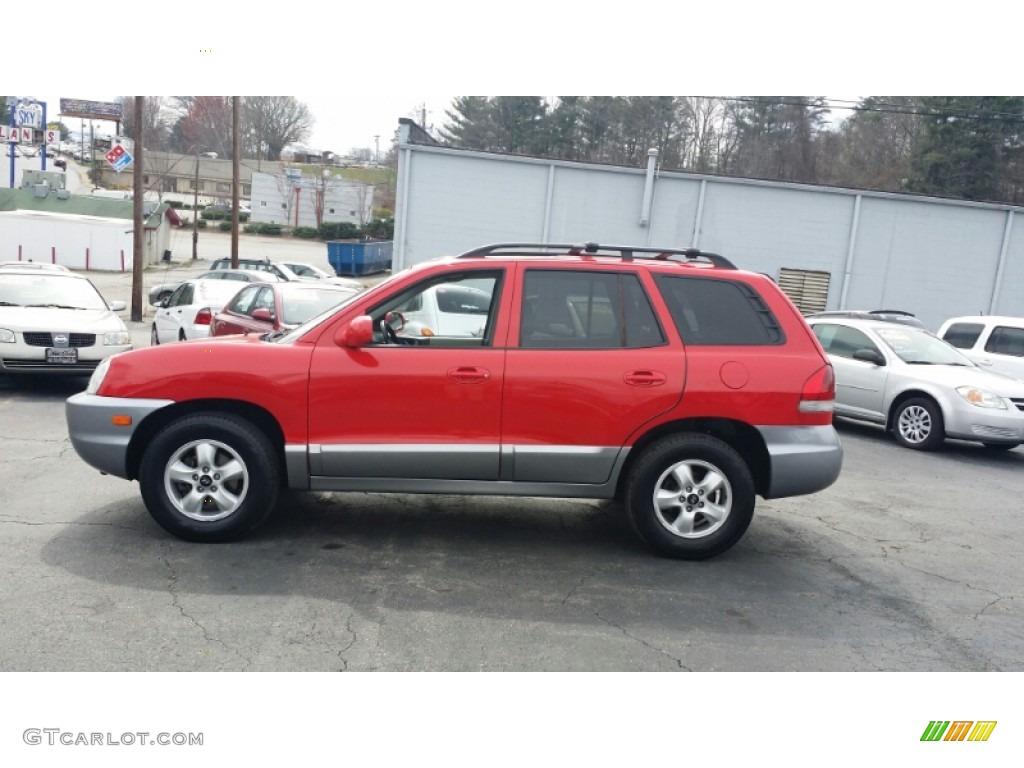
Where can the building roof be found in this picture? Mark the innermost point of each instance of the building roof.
(82, 205)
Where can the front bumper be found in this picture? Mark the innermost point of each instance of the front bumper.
(95, 437)
(803, 459)
(22, 358)
(989, 425)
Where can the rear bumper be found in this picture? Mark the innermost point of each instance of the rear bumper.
(803, 459)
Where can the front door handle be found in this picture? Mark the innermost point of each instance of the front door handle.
(468, 374)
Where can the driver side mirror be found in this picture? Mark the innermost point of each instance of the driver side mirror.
(358, 332)
(117, 306)
(263, 314)
(869, 356)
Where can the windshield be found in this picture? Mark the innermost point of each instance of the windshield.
(298, 306)
(49, 290)
(919, 347)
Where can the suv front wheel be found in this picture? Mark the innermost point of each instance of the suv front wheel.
(209, 477)
(690, 497)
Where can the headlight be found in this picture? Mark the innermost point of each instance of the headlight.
(980, 397)
(6, 335)
(97, 377)
(116, 339)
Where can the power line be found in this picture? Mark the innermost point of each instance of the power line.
(885, 108)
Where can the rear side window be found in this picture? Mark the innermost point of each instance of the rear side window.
(963, 335)
(1006, 341)
(574, 309)
(708, 312)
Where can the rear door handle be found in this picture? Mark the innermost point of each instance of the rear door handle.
(645, 378)
(468, 374)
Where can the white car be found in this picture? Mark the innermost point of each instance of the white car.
(313, 272)
(53, 320)
(446, 309)
(187, 312)
(918, 386)
(994, 342)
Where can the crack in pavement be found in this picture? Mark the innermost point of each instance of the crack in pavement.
(172, 589)
(348, 628)
(623, 630)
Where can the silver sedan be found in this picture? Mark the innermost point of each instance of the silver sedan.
(918, 386)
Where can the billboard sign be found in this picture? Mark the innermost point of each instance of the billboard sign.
(97, 110)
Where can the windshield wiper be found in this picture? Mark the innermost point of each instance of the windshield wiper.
(54, 306)
(8, 304)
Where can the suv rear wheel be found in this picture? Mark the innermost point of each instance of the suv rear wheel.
(209, 477)
(690, 497)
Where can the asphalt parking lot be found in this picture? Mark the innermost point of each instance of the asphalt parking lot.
(908, 563)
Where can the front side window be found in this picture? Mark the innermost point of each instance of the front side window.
(841, 341)
(709, 311)
(574, 309)
(963, 335)
(456, 309)
(182, 296)
(244, 302)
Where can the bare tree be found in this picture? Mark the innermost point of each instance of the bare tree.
(274, 122)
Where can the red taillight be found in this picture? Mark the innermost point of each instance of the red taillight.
(203, 316)
(819, 392)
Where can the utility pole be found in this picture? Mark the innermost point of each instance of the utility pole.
(376, 152)
(195, 211)
(138, 230)
(236, 161)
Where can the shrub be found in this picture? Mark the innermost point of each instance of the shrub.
(270, 229)
(201, 224)
(253, 229)
(304, 232)
(224, 226)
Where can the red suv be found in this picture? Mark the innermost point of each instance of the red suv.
(667, 379)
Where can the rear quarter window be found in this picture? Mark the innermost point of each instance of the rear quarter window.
(708, 311)
(963, 335)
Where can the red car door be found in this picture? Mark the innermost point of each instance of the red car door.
(588, 363)
(424, 410)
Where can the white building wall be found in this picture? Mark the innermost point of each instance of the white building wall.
(78, 242)
(935, 258)
(274, 201)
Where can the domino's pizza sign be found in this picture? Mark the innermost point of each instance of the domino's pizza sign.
(119, 158)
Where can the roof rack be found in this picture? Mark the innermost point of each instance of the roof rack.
(625, 252)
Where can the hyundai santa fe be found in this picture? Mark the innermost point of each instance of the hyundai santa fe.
(667, 379)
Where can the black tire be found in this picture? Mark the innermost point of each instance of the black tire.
(154, 340)
(191, 504)
(713, 510)
(181, 335)
(917, 423)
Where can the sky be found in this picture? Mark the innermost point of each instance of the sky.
(339, 125)
(360, 70)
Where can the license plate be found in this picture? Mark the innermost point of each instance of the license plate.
(62, 356)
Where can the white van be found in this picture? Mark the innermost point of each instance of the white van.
(992, 341)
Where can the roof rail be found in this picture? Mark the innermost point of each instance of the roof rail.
(625, 252)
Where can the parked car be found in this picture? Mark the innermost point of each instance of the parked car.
(34, 266)
(187, 312)
(276, 306)
(918, 386)
(994, 342)
(283, 271)
(889, 315)
(447, 309)
(53, 320)
(313, 272)
(158, 293)
(642, 374)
